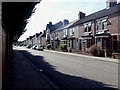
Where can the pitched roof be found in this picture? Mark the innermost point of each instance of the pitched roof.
(99, 14)
(55, 26)
(65, 26)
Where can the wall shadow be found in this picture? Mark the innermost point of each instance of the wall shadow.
(63, 81)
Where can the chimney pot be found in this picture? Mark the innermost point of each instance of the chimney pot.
(65, 22)
(50, 23)
(81, 15)
(110, 3)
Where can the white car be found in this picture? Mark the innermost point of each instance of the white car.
(34, 47)
(39, 48)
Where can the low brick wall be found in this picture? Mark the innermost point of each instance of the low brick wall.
(116, 55)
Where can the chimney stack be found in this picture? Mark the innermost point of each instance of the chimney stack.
(50, 23)
(110, 3)
(65, 22)
(81, 15)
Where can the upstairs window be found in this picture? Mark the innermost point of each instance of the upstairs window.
(98, 25)
(73, 31)
(85, 28)
(89, 27)
(101, 24)
(65, 32)
(70, 31)
(104, 25)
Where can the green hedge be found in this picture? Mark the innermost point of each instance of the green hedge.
(63, 47)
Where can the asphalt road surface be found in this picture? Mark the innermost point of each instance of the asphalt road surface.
(68, 71)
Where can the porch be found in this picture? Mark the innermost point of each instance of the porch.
(86, 42)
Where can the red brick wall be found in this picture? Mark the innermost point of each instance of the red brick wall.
(113, 23)
(81, 30)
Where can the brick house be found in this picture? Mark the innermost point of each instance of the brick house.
(101, 28)
(50, 28)
(66, 34)
(58, 34)
(71, 35)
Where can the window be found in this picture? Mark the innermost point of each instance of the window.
(73, 31)
(89, 28)
(66, 32)
(98, 25)
(104, 25)
(85, 28)
(70, 31)
(101, 24)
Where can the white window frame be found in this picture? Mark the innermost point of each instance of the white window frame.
(103, 23)
(70, 31)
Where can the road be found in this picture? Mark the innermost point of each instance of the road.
(68, 71)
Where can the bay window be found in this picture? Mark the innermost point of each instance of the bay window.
(104, 25)
(89, 27)
(85, 28)
(72, 31)
(98, 25)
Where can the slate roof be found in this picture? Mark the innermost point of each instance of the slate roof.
(55, 26)
(99, 14)
(66, 26)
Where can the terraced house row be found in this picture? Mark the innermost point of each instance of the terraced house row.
(101, 28)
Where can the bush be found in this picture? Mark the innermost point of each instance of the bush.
(95, 50)
(48, 46)
(63, 47)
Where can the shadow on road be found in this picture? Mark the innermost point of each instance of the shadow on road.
(63, 81)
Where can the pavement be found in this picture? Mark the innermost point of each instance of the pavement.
(23, 74)
(97, 58)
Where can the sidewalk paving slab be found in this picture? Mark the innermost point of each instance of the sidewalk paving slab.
(23, 75)
(86, 56)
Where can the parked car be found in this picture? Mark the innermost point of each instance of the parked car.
(39, 48)
(34, 47)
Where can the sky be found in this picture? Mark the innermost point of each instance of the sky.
(58, 10)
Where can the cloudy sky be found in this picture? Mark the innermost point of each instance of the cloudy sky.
(58, 10)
